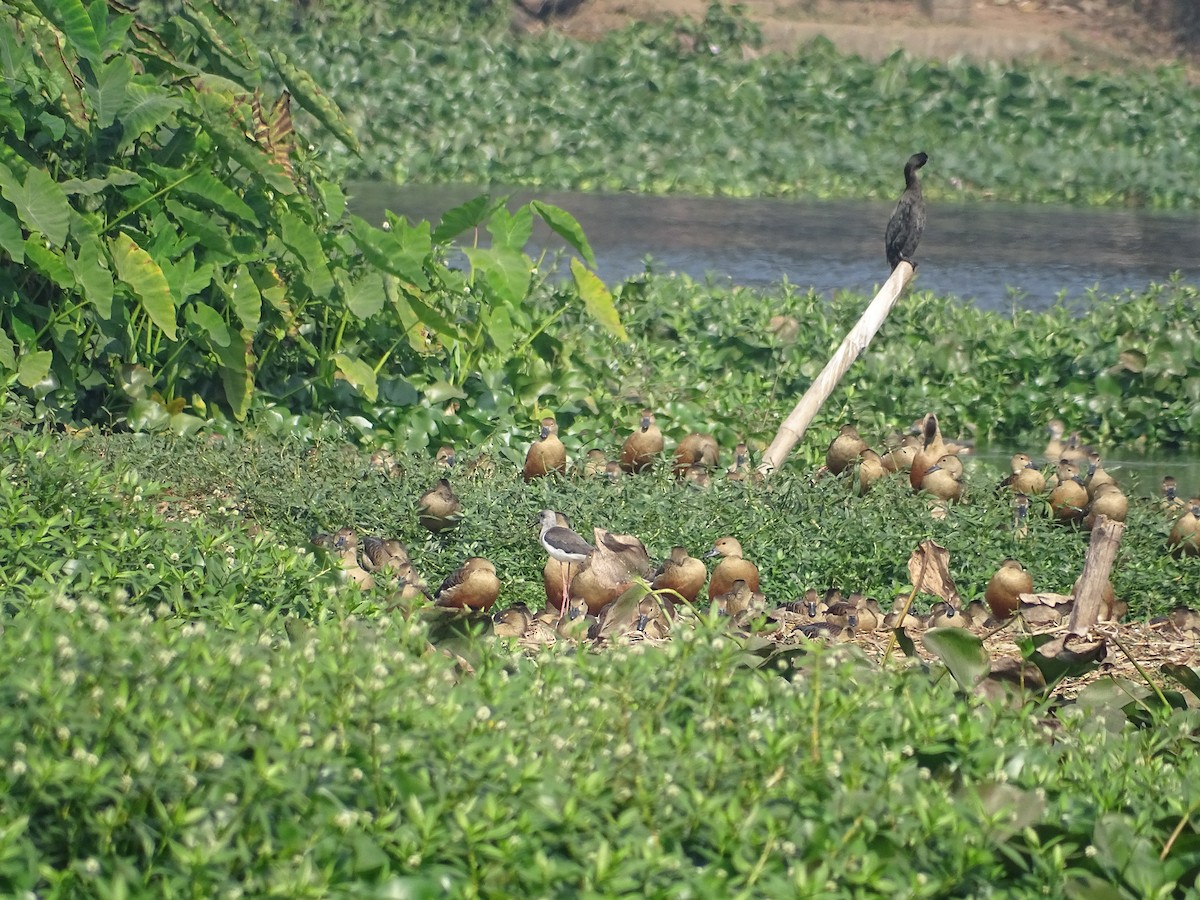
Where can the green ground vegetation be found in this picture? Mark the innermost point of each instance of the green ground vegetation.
(194, 704)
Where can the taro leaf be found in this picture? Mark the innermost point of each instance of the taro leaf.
(506, 271)
(1007, 809)
(907, 647)
(41, 203)
(364, 297)
(929, 568)
(148, 415)
(211, 193)
(565, 226)
(401, 251)
(962, 652)
(134, 380)
(313, 99)
(221, 34)
(50, 263)
(1129, 855)
(34, 367)
(8, 353)
(93, 276)
(138, 270)
(1057, 661)
(11, 238)
(597, 299)
(304, 243)
(1089, 887)
(247, 302)
(210, 322)
(359, 374)
(471, 214)
(1185, 675)
(109, 92)
(511, 231)
(71, 18)
(147, 107)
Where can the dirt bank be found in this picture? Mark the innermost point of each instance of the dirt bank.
(1089, 33)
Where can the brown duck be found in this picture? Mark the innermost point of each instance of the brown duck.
(696, 450)
(1108, 500)
(641, 448)
(1026, 478)
(1069, 498)
(473, 585)
(870, 470)
(1184, 539)
(932, 449)
(1004, 589)
(944, 479)
(439, 508)
(1096, 476)
(546, 455)
(682, 574)
(731, 567)
(844, 449)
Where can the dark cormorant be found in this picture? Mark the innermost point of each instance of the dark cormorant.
(908, 218)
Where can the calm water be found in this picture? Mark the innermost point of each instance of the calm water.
(995, 255)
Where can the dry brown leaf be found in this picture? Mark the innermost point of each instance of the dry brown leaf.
(929, 568)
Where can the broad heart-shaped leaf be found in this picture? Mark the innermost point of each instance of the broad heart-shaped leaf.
(93, 276)
(1185, 675)
(8, 353)
(137, 269)
(11, 238)
(147, 107)
(511, 231)
(246, 300)
(109, 92)
(364, 297)
(506, 271)
(71, 18)
(51, 263)
(304, 243)
(471, 214)
(961, 651)
(597, 300)
(237, 370)
(401, 251)
(211, 192)
(34, 366)
(42, 205)
(565, 226)
(313, 99)
(209, 321)
(359, 374)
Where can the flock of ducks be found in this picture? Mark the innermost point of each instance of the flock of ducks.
(609, 589)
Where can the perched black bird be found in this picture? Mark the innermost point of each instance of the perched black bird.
(908, 218)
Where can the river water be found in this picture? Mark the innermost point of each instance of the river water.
(997, 256)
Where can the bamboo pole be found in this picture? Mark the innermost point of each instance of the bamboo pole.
(792, 430)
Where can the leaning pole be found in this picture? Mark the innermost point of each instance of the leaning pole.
(792, 430)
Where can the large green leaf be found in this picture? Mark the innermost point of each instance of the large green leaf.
(359, 374)
(34, 366)
(245, 299)
(51, 263)
(365, 297)
(471, 214)
(72, 19)
(147, 107)
(94, 277)
(108, 94)
(41, 203)
(597, 299)
(567, 227)
(11, 238)
(138, 269)
(511, 231)
(303, 241)
(962, 652)
(211, 192)
(401, 251)
(507, 271)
